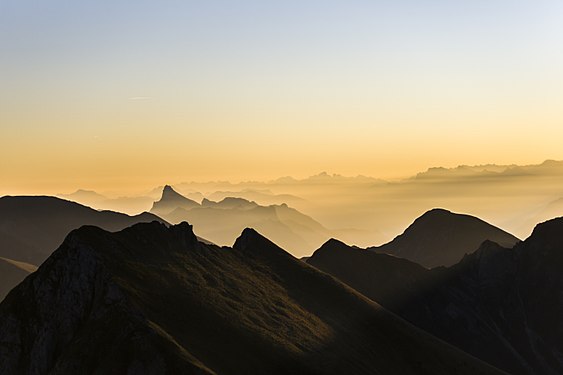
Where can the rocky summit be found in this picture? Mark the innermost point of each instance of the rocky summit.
(153, 299)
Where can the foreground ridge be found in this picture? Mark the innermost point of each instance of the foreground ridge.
(501, 305)
(153, 299)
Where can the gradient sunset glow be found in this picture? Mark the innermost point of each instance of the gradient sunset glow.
(131, 94)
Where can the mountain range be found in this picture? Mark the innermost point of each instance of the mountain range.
(372, 210)
(152, 299)
(222, 221)
(31, 227)
(502, 305)
(155, 298)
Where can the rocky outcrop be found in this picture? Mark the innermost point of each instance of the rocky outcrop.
(501, 305)
(152, 300)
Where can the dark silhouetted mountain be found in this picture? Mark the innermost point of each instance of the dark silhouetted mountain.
(221, 222)
(153, 300)
(385, 276)
(501, 305)
(442, 238)
(32, 227)
(171, 200)
(130, 205)
(12, 273)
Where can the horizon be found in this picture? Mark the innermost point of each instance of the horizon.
(399, 164)
(116, 191)
(139, 93)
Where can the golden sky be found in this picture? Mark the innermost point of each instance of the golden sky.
(130, 95)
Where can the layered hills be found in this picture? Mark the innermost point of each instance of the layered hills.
(502, 305)
(153, 299)
(222, 221)
(31, 227)
(171, 200)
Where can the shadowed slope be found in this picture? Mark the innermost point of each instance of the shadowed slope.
(12, 273)
(152, 299)
(498, 304)
(31, 227)
(389, 278)
(442, 238)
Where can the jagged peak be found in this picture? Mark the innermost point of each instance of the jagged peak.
(156, 231)
(185, 232)
(169, 192)
(172, 197)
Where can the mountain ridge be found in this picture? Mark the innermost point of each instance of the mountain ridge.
(501, 305)
(222, 221)
(103, 303)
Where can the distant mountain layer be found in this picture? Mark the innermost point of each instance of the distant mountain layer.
(31, 227)
(154, 300)
(442, 238)
(170, 201)
(548, 167)
(221, 222)
(504, 306)
(12, 273)
(131, 204)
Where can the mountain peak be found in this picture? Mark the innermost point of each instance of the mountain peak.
(441, 238)
(249, 236)
(437, 212)
(333, 243)
(168, 192)
(250, 241)
(171, 200)
(185, 232)
(330, 247)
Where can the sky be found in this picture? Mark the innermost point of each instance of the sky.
(124, 94)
